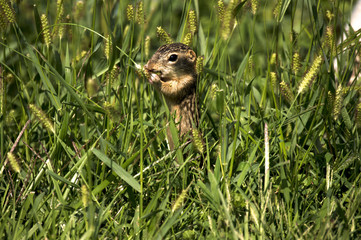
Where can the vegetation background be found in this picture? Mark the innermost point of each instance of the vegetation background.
(82, 134)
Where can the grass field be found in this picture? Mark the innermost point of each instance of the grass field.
(83, 147)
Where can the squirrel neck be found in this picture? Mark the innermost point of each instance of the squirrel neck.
(185, 111)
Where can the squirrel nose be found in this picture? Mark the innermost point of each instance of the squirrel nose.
(149, 66)
(146, 66)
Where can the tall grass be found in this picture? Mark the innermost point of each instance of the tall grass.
(83, 147)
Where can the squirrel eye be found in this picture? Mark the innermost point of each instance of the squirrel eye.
(173, 57)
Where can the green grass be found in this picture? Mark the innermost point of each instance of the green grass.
(83, 147)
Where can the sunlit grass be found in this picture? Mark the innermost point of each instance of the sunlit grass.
(83, 147)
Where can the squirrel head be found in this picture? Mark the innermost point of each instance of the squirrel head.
(172, 70)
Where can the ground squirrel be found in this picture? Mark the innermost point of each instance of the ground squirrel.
(172, 71)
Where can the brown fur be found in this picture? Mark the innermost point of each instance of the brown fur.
(177, 81)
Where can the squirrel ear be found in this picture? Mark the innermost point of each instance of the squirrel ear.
(191, 55)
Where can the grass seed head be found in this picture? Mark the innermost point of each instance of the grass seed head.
(273, 60)
(220, 10)
(188, 39)
(199, 64)
(228, 20)
(80, 55)
(197, 140)
(310, 75)
(179, 202)
(130, 12)
(59, 29)
(141, 72)
(7, 14)
(85, 195)
(13, 162)
(163, 35)
(296, 63)
(108, 47)
(330, 36)
(254, 5)
(286, 91)
(277, 9)
(329, 15)
(46, 30)
(59, 9)
(114, 73)
(42, 118)
(273, 76)
(338, 102)
(250, 67)
(140, 13)
(214, 90)
(192, 22)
